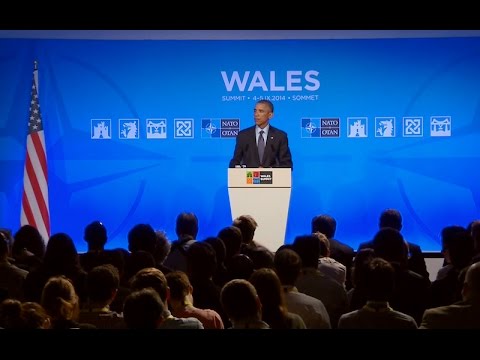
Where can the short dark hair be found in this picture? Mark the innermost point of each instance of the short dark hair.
(186, 224)
(150, 277)
(95, 234)
(389, 244)
(142, 237)
(287, 265)
(390, 218)
(143, 309)
(247, 225)
(239, 299)
(266, 102)
(325, 224)
(380, 279)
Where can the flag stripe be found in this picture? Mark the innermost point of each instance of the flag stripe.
(27, 211)
(32, 210)
(30, 198)
(37, 170)
(28, 217)
(39, 144)
(38, 194)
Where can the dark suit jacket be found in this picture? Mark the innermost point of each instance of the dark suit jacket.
(461, 315)
(410, 295)
(277, 152)
(416, 261)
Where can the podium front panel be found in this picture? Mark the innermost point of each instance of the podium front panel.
(265, 195)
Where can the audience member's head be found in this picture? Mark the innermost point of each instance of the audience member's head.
(269, 290)
(151, 277)
(95, 235)
(4, 246)
(219, 247)
(232, 238)
(247, 225)
(362, 258)
(102, 284)
(268, 287)
(457, 246)
(179, 284)
(118, 258)
(137, 261)
(201, 260)
(389, 244)
(475, 233)
(308, 247)
(240, 301)
(61, 256)
(285, 246)
(27, 315)
(324, 224)
(163, 246)
(29, 239)
(7, 239)
(240, 267)
(288, 266)
(471, 285)
(379, 280)
(142, 237)
(186, 226)
(324, 244)
(390, 218)
(143, 309)
(59, 299)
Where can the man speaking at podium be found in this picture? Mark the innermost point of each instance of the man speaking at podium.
(262, 145)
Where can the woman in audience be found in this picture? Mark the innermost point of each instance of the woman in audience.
(274, 310)
(61, 302)
(61, 258)
(28, 315)
(28, 248)
(242, 305)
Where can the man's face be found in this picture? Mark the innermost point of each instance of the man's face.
(262, 115)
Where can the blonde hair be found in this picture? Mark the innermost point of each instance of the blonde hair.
(324, 243)
(59, 299)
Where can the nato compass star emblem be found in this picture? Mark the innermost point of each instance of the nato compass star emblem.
(310, 127)
(210, 128)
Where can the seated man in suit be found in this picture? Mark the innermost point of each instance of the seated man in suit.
(393, 219)
(262, 145)
(461, 315)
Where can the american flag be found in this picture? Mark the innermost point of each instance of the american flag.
(35, 209)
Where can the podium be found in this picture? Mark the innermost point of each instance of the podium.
(263, 193)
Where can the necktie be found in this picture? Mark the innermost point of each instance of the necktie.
(261, 146)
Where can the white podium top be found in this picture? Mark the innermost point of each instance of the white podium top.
(259, 177)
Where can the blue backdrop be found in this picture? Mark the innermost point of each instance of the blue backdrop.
(138, 131)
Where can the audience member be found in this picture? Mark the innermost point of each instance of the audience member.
(461, 315)
(378, 281)
(339, 251)
(242, 305)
